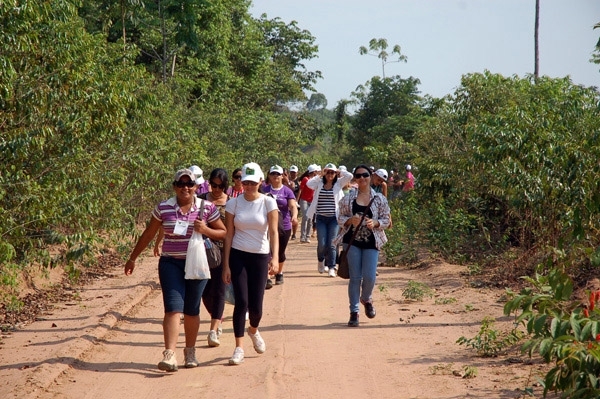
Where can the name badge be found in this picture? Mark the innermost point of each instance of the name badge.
(181, 228)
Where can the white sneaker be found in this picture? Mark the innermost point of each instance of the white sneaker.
(321, 266)
(257, 341)
(332, 272)
(190, 357)
(213, 339)
(169, 362)
(238, 356)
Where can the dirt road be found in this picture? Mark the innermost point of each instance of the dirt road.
(107, 344)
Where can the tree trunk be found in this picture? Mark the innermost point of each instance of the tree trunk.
(536, 68)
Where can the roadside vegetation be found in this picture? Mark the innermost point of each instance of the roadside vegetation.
(100, 102)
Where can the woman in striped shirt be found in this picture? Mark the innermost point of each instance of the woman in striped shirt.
(328, 192)
(179, 216)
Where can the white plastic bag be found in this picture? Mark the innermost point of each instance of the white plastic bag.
(196, 264)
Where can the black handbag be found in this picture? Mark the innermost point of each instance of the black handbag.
(213, 251)
(343, 269)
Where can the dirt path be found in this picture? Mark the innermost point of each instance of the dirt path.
(108, 344)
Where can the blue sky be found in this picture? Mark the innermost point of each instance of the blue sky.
(443, 39)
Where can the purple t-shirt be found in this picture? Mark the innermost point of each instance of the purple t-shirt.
(282, 196)
(202, 188)
(168, 212)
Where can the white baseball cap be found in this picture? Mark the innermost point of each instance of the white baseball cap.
(252, 172)
(198, 172)
(343, 168)
(330, 166)
(408, 167)
(382, 173)
(184, 172)
(277, 169)
(293, 168)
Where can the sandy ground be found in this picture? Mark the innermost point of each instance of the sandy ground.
(107, 344)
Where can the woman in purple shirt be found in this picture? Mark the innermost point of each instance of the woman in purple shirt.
(286, 202)
(179, 216)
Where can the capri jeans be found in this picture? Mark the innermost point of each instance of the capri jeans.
(213, 295)
(179, 295)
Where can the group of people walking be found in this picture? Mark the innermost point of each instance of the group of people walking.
(252, 221)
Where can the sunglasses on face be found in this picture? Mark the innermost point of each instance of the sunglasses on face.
(330, 172)
(188, 184)
(359, 175)
(215, 185)
(237, 177)
(249, 183)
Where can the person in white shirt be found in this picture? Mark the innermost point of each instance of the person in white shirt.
(251, 248)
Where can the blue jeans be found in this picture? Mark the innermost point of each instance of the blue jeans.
(362, 264)
(306, 223)
(327, 229)
(179, 294)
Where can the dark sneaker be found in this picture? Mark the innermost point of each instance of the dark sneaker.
(279, 279)
(269, 284)
(353, 322)
(369, 310)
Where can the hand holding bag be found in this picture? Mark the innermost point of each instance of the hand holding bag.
(196, 263)
(343, 269)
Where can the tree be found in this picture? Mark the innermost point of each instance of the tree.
(316, 101)
(536, 67)
(596, 55)
(386, 109)
(289, 46)
(377, 48)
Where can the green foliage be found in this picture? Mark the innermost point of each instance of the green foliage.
(562, 332)
(90, 140)
(489, 341)
(402, 236)
(417, 291)
(445, 301)
(389, 110)
(510, 161)
(470, 372)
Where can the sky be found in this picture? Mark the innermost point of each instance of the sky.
(443, 39)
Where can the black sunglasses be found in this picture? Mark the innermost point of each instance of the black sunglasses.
(221, 186)
(181, 184)
(359, 175)
(237, 177)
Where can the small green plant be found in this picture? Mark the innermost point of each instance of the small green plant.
(445, 301)
(474, 269)
(417, 291)
(469, 372)
(488, 342)
(383, 289)
(443, 369)
(469, 307)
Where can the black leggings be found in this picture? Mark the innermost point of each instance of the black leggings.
(249, 273)
(213, 295)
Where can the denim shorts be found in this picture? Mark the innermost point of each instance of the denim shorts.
(179, 294)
